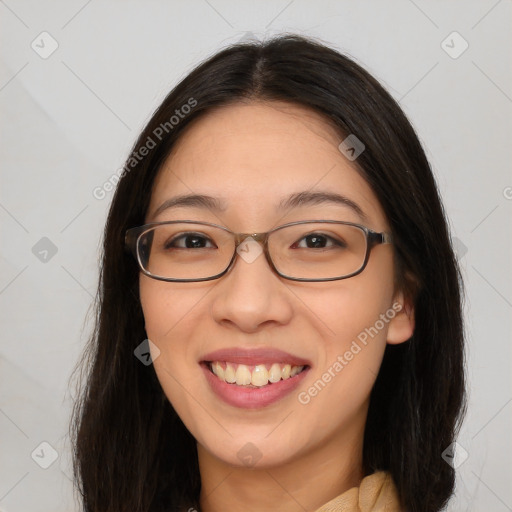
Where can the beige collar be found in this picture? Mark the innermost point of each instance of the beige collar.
(376, 493)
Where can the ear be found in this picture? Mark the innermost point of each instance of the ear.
(401, 326)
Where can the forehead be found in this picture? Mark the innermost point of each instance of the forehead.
(253, 155)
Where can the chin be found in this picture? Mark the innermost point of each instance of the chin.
(259, 451)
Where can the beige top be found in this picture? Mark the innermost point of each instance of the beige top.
(376, 493)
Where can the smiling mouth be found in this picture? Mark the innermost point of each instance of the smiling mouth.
(253, 376)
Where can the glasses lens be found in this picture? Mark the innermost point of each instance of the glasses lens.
(185, 250)
(318, 250)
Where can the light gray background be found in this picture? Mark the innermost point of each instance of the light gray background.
(68, 122)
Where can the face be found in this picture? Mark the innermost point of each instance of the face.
(251, 157)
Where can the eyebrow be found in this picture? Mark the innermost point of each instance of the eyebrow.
(308, 198)
(296, 200)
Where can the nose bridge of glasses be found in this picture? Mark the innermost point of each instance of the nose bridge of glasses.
(258, 237)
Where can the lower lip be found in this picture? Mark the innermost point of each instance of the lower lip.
(252, 398)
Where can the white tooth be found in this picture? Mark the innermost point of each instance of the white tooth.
(296, 370)
(218, 370)
(229, 374)
(243, 375)
(259, 376)
(285, 374)
(274, 375)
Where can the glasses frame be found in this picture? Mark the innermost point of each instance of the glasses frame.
(133, 235)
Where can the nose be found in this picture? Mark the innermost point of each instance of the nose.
(251, 295)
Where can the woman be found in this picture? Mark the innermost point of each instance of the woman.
(277, 249)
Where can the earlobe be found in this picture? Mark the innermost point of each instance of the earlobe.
(401, 326)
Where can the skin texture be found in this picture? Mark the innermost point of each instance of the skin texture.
(252, 155)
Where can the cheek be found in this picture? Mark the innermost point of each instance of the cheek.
(169, 307)
(353, 318)
(173, 315)
(168, 317)
(348, 362)
(351, 330)
(349, 308)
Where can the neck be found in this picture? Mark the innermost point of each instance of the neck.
(305, 483)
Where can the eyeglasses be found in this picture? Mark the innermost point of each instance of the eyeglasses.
(309, 250)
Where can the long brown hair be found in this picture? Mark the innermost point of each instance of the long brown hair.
(131, 450)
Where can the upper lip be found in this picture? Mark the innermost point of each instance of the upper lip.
(255, 356)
